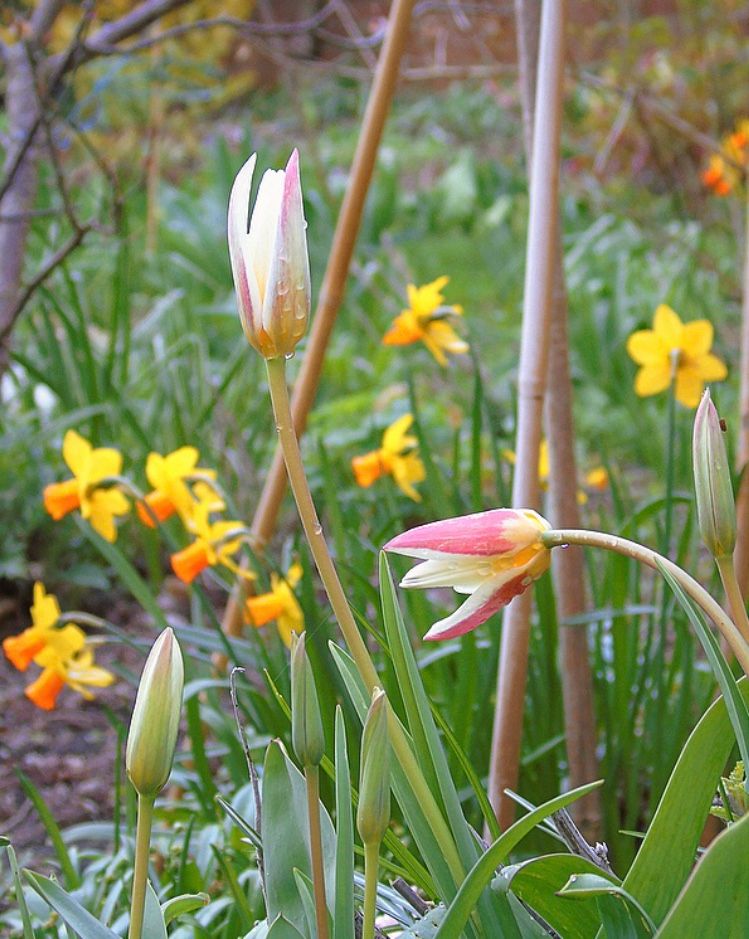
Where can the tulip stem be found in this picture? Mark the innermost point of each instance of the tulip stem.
(140, 868)
(371, 865)
(727, 573)
(596, 539)
(319, 547)
(312, 778)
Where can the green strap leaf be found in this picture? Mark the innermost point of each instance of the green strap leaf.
(184, 903)
(622, 916)
(71, 911)
(343, 919)
(154, 926)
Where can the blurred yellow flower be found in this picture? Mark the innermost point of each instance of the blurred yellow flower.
(723, 173)
(69, 660)
(169, 475)
(672, 349)
(597, 478)
(279, 604)
(89, 466)
(396, 456)
(427, 318)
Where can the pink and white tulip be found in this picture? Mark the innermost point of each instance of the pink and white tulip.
(269, 261)
(491, 556)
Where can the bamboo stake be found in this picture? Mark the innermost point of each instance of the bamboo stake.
(577, 681)
(334, 281)
(741, 556)
(534, 353)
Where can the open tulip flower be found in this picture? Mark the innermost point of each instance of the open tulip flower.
(491, 556)
(89, 466)
(672, 349)
(279, 604)
(269, 259)
(427, 319)
(396, 456)
(169, 475)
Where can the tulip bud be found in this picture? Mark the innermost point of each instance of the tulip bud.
(152, 738)
(269, 259)
(716, 512)
(373, 811)
(307, 737)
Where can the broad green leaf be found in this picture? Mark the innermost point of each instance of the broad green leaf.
(71, 911)
(185, 903)
(537, 882)
(285, 841)
(494, 911)
(343, 918)
(154, 926)
(281, 928)
(668, 851)
(462, 906)
(715, 901)
(622, 916)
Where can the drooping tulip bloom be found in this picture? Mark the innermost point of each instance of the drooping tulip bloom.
(269, 259)
(491, 556)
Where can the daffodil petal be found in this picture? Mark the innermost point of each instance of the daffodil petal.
(394, 439)
(711, 368)
(76, 451)
(689, 387)
(651, 379)
(645, 347)
(668, 327)
(697, 338)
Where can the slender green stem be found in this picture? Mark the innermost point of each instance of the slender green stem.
(670, 462)
(371, 865)
(318, 546)
(733, 592)
(312, 777)
(140, 870)
(597, 539)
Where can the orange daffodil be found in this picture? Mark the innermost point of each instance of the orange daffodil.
(170, 476)
(724, 169)
(672, 349)
(396, 456)
(491, 556)
(427, 318)
(215, 543)
(279, 604)
(89, 466)
(63, 652)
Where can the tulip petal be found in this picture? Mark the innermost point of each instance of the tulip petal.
(498, 531)
(490, 597)
(463, 574)
(239, 210)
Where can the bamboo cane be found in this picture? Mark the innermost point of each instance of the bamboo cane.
(741, 556)
(333, 285)
(534, 353)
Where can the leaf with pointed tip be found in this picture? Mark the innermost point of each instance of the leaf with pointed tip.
(154, 926)
(622, 917)
(281, 928)
(71, 911)
(185, 903)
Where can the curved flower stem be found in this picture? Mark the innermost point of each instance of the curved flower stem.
(140, 870)
(312, 778)
(318, 546)
(371, 864)
(731, 586)
(597, 539)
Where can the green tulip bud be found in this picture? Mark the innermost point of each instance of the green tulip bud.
(373, 811)
(307, 737)
(716, 511)
(152, 738)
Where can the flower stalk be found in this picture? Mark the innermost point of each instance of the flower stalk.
(712, 609)
(140, 868)
(318, 546)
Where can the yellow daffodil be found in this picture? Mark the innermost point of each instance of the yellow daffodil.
(279, 604)
(675, 349)
(724, 169)
(596, 479)
(396, 456)
(427, 318)
(169, 475)
(215, 543)
(89, 466)
(45, 612)
(67, 661)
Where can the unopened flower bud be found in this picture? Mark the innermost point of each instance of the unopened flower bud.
(716, 511)
(269, 259)
(373, 811)
(153, 727)
(307, 737)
